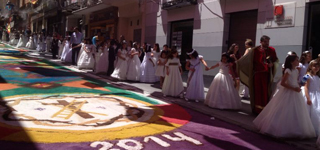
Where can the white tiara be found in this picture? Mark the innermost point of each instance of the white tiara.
(191, 52)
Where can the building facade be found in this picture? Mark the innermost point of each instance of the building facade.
(209, 26)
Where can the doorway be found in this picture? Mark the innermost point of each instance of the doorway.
(181, 38)
(313, 29)
(243, 25)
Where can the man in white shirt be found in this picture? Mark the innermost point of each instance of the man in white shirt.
(75, 41)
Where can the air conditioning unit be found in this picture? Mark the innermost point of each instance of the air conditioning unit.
(178, 4)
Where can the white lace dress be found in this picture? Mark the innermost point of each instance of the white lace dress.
(30, 43)
(286, 114)
(103, 62)
(120, 70)
(173, 85)
(66, 55)
(148, 69)
(195, 88)
(314, 94)
(133, 73)
(222, 94)
(86, 59)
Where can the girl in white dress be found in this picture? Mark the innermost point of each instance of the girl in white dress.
(222, 94)
(160, 69)
(35, 39)
(147, 67)
(195, 86)
(286, 115)
(30, 43)
(21, 41)
(61, 46)
(66, 55)
(103, 62)
(156, 52)
(86, 59)
(40, 43)
(173, 85)
(303, 65)
(311, 92)
(134, 62)
(120, 70)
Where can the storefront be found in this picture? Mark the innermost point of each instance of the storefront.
(104, 21)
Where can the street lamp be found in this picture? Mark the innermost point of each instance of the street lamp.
(9, 6)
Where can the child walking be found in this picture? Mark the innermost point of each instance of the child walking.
(134, 62)
(286, 115)
(195, 87)
(120, 70)
(86, 59)
(160, 69)
(311, 92)
(103, 62)
(172, 84)
(222, 94)
(147, 67)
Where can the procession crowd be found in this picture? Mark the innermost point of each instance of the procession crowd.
(292, 110)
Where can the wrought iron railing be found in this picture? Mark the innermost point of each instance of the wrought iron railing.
(80, 4)
(178, 3)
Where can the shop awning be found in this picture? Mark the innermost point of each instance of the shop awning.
(88, 10)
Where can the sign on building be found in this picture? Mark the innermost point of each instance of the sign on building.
(283, 16)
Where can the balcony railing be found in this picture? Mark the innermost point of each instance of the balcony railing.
(72, 5)
(178, 3)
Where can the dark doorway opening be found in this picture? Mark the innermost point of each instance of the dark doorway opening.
(181, 38)
(243, 25)
(313, 29)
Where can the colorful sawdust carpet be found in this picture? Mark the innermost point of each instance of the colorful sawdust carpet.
(46, 106)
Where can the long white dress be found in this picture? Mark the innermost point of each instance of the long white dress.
(286, 114)
(30, 43)
(35, 40)
(66, 55)
(133, 72)
(314, 94)
(40, 44)
(148, 69)
(21, 41)
(61, 47)
(173, 85)
(120, 70)
(103, 62)
(86, 59)
(160, 69)
(222, 94)
(195, 88)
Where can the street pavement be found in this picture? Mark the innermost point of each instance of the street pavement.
(46, 104)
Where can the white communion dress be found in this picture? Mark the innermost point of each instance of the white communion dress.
(286, 114)
(173, 85)
(160, 69)
(195, 88)
(103, 62)
(314, 94)
(86, 59)
(66, 55)
(133, 73)
(120, 70)
(148, 69)
(31, 44)
(222, 94)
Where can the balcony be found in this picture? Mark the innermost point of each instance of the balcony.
(173, 4)
(75, 5)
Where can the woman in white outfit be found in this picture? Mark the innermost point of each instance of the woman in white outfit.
(103, 62)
